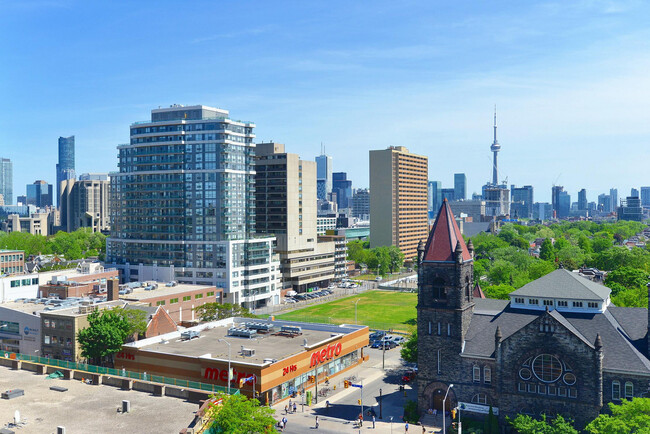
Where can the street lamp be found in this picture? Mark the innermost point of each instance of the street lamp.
(355, 310)
(444, 417)
(229, 379)
(391, 425)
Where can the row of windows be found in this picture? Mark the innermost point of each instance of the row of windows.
(185, 298)
(616, 390)
(476, 374)
(24, 282)
(57, 340)
(57, 323)
(439, 329)
(11, 258)
(551, 390)
(560, 303)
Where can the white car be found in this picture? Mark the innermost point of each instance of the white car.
(399, 340)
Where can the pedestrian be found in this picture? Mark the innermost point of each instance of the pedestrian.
(406, 427)
(286, 409)
(284, 421)
(373, 421)
(289, 404)
(281, 425)
(294, 407)
(424, 430)
(316, 421)
(360, 419)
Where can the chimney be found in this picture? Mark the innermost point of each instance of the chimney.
(112, 289)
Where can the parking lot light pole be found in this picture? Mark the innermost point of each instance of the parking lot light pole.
(444, 417)
(229, 379)
(355, 310)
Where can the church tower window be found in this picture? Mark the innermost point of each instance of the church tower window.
(476, 374)
(629, 390)
(487, 375)
(616, 390)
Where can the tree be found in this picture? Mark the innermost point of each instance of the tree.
(105, 335)
(217, 311)
(524, 424)
(627, 277)
(546, 251)
(357, 251)
(396, 259)
(237, 414)
(628, 417)
(501, 292)
(409, 350)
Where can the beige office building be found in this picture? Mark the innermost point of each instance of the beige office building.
(398, 203)
(84, 204)
(286, 206)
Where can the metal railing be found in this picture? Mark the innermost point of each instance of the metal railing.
(92, 369)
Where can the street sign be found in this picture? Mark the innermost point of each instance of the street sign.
(360, 386)
(477, 408)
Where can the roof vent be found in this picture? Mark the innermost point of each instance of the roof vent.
(247, 352)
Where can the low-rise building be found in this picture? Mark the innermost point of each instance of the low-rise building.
(12, 262)
(340, 254)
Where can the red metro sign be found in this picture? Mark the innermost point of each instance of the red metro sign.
(332, 350)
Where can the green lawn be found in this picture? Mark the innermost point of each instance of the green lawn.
(376, 309)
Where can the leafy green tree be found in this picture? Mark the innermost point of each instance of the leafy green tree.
(409, 350)
(500, 292)
(546, 251)
(396, 259)
(217, 311)
(107, 331)
(628, 417)
(627, 277)
(357, 251)
(571, 257)
(524, 424)
(540, 268)
(501, 271)
(237, 414)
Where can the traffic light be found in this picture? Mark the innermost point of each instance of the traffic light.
(359, 401)
(346, 384)
(312, 378)
(453, 414)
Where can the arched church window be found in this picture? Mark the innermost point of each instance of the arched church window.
(616, 390)
(476, 374)
(438, 288)
(547, 368)
(629, 390)
(479, 398)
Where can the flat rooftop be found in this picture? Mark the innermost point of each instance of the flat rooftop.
(266, 346)
(43, 409)
(165, 291)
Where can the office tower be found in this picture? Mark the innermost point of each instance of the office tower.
(448, 193)
(634, 192)
(460, 186)
(582, 200)
(65, 166)
(183, 205)
(630, 209)
(435, 196)
(84, 204)
(542, 211)
(286, 206)
(93, 177)
(361, 204)
(7, 181)
(604, 203)
(564, 205)
(645, 196)
(613, 194)
(342, 186)
(398, 204)
(40, 194)
(521, 202)
(556, 190)
(324, 174)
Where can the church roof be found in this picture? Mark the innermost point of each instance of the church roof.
(622, 331)
(563, 283)
(478, 292)
(444, 237)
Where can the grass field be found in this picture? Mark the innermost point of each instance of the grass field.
(377, 309)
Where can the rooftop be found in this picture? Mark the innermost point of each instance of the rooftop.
(563, 283)
(444, 237)
(267, 346)
(43, 409)
(164, 291)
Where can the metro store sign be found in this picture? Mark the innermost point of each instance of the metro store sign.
(327, 353)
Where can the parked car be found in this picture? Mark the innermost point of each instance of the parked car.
(189, 334)
(375, 344)
(290, 300)
(376, 335)
(172, 283)
(388, 345)
(399, 340)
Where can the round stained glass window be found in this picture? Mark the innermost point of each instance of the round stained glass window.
(547, 368)
(525, 374)
(569, 379)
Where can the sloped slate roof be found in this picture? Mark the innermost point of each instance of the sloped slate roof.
(443, 238)
(562, 283)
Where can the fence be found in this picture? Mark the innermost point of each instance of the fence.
(92, 369)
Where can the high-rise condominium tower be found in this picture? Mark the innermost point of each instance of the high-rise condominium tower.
(398, 203)
(6, 181)
(183, 205)
(65, 166)
(324, 175)
(460, 186)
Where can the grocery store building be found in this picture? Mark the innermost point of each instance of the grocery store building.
(283, 357)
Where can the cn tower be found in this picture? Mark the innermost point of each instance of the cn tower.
(495, 148)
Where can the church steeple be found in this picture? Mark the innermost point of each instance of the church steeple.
(444, 238)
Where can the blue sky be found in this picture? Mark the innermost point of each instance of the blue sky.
(570, 80)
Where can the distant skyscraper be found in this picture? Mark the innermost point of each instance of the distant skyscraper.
(555, 199)
(40, 194)
(7, 181)
(495, 148)
(582, 200)
(435, 196)
(448, 193)
(645, 196)
(521, 202)
(65, 166)
(613, 194)
(398, 203)
(460, 186)
(342, 186)
(361, 204)
(604, 203)
(634, 192)
(564, 204)
(324, 174)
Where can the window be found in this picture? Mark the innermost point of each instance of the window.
(521, 387)
(577, 304)
(477, 374)
(519, 300)
(448, 329)
(547, 368)
(438, 329)
(525, 374)
(541, 389)
(197, 296)
(550, 390)
(487, 375)
(616, 390)
(209, 294)
(173, 300)
(533, 301)
(46, 339)
(561, 391)
(46, 323)
(160, 303)
(548, 302)
(532, 388)
(479, 398)
(562, 303)
(187, 298)
(569, 379)
(629, 390)
(573, 393)
(430, 327)
(592, 305)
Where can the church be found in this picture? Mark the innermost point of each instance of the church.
(557, 346)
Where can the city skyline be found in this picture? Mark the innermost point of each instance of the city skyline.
(569, 81)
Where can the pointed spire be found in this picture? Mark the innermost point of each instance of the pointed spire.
(497, 335)
(420, 251)
(444, 238)
(458, 251)
(599, 342)
(495, 124)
